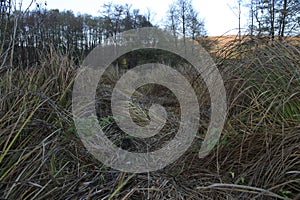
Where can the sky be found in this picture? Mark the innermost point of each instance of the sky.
(220, 16)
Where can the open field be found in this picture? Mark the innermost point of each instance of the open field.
(258, 155)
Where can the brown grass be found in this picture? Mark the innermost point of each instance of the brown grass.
(258, 156)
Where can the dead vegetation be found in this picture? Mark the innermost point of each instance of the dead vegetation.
(258, 156)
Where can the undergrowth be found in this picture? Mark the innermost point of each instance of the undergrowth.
(258, 156)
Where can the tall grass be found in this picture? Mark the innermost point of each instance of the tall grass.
(269, 79)
(264, 121)
(258, 156)
(34, 112)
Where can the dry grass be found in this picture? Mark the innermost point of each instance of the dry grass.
(258, 156)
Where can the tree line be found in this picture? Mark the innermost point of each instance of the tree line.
(25, 34)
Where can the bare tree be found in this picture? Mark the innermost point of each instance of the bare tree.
(273, 18)
(172, 23)
(182, 18)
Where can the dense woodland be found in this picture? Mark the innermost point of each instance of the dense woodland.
(28, 33)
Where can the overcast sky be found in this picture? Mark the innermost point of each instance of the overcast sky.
(220, 16)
